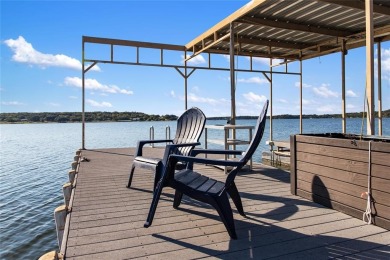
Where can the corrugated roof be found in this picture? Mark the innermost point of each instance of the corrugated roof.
(287, 29)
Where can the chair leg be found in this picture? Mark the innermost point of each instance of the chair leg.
(153, 206)
(131, 176)
(156, 195)
(177, 199)
(157, 174)
(222, 205)
(233, 193)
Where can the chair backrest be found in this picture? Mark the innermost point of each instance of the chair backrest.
(258, 134)
(189, 128)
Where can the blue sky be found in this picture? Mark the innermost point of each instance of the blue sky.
(41, 63)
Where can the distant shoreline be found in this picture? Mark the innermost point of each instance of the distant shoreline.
(385, 114)
(75, 117)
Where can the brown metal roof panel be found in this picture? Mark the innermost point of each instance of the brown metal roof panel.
(225, 22)
(287, 26)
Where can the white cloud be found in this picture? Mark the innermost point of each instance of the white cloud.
(256, 80)
(304, 85)
(350, 106)
(252, 97)
(73, 97)
(324, 91)
(93, 84)
(198, 59)
(54, 104)
(195, 89)
(94, 103)
(227, 57)
(194, 98)
(385, 64)
(306, 102)
(24, 52)
(173, 94)
(265, 61)
(281, 100)
(350, 93)
(325, 109)
(12, 103)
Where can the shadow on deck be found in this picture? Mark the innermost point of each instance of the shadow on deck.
(107, 219)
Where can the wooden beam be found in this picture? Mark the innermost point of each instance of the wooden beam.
(379, 9)
(205, 47)
(275, 55)
(272, 43)
(88, 39)
(294, 26)
(352, 42)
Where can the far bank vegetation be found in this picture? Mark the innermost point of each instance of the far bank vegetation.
(69, 117)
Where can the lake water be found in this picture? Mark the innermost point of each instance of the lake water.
(35, 160)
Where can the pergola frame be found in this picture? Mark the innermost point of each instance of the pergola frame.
(89, 63)
(277, 29)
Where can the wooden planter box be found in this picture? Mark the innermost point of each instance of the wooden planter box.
(332, 170)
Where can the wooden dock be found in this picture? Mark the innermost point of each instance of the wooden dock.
(106, 219)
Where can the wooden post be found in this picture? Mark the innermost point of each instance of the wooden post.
(300, 96)
(232, 85)
(185, 82)
(72, 175)
(83, 99)
(271, 99)
(343, 115)
(67, 190)
(370, 68)
(379, 89)
(232, 79)
(74, 165)
(60, 218)
(293, 167)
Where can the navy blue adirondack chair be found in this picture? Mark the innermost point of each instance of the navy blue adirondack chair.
(190, 126)
(203, 188)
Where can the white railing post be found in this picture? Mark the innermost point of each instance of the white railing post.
(151, 135)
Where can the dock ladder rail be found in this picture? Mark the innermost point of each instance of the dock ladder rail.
(167, 134)
(151, 135)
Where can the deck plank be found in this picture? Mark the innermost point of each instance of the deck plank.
(107, 219)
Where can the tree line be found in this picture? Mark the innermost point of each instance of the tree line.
(65, 117)
(385, 113)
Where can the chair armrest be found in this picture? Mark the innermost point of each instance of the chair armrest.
(170, 149)
(141, 144)
(191, 160)
(183, 144)
(195, 152)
